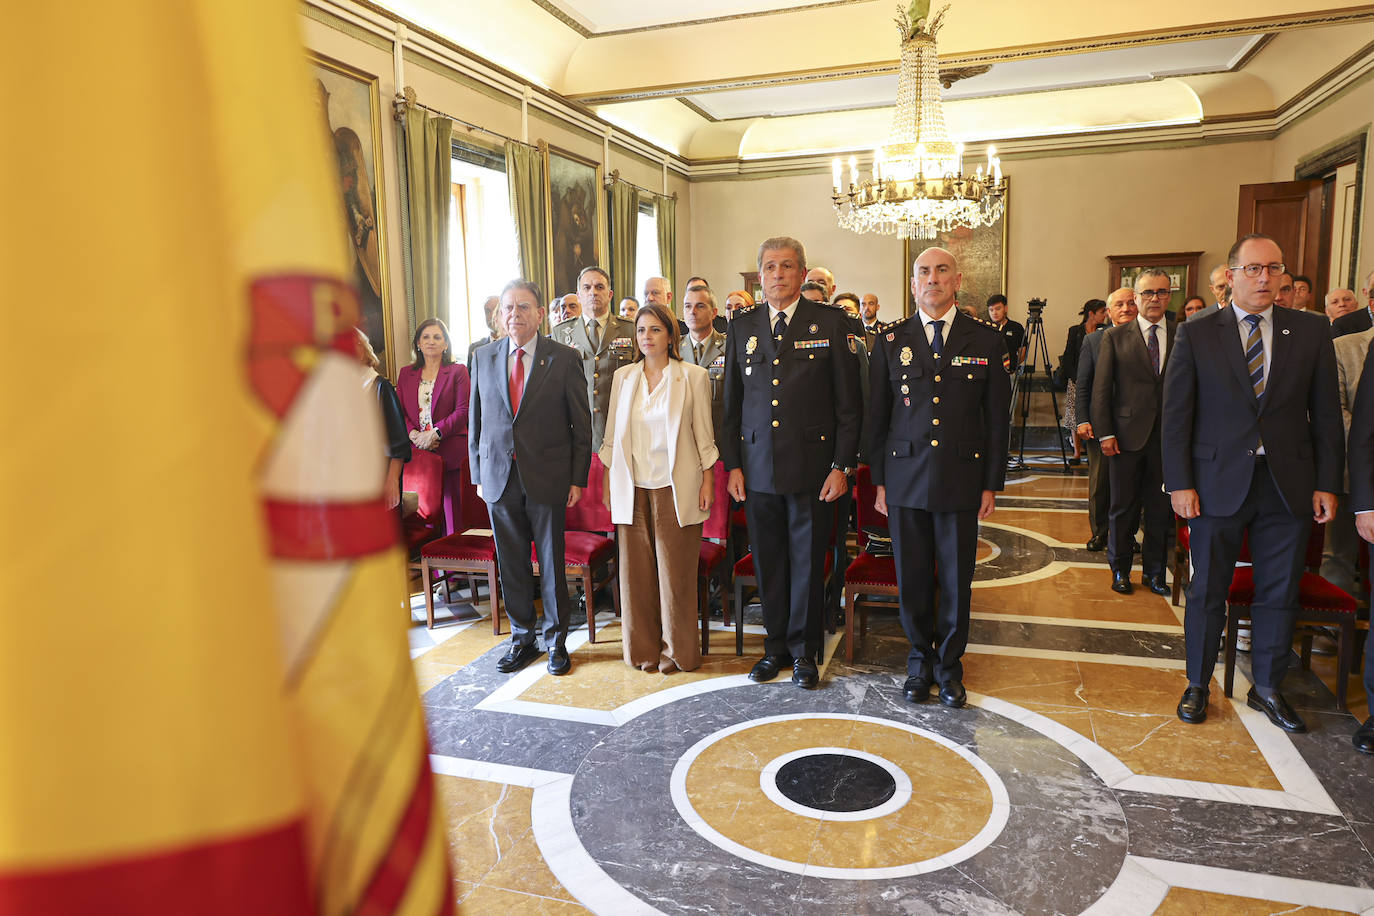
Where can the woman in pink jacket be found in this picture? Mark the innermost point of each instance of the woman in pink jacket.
(434, 394)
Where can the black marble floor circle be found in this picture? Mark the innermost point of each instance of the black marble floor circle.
(835, 782)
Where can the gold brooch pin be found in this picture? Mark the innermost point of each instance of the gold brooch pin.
(906, 356)
(751, 346)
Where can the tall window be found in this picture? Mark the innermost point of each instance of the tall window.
(647, 263)
(483, 253)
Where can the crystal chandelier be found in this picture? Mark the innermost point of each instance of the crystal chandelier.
(918, 187)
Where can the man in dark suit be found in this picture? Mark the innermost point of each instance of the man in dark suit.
(529, 448)
(1361, 453)
(1351, 322)
(868, 314)
(1253, 444)
(704, 346)
(604, 341)
(489, 309)
(1127, 391)
(937, 424)
(790, 437)
(1121, 308)
(1013, 334)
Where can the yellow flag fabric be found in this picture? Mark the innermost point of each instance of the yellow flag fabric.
(206, 700)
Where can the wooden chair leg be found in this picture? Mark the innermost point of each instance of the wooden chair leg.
(704, 612)
(494, 590)
(739, 617)
(590, 591)
(1232, 634)
(849, 595)
(1345, 653)
(429, 594)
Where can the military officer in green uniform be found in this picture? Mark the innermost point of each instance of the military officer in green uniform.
(937, 425)
(704, 346)
(604, 341)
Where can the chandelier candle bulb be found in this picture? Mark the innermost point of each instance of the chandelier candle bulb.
(854, 170)
(836, 174)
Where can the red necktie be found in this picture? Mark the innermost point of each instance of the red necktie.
(517, 381)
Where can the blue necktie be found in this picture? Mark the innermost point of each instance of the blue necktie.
(937, 343)
(780, 326)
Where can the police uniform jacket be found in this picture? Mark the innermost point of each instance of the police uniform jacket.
(792, 408)
(710, 355)
(938, 428)
(599, 363)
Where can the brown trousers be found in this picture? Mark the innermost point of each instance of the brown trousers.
(658, 585)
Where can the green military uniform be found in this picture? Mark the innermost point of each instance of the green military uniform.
(615, 348)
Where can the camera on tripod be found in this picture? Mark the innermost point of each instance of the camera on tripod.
(1035, 307)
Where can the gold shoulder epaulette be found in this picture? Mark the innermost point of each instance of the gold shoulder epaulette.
(894, 324)
(746, 309)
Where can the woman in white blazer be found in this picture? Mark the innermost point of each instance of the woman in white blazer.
(659, 452)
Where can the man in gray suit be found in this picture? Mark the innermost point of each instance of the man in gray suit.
(704, 346)
(604, 341)
(1341, 550)
(1121, 308)
(529, 447)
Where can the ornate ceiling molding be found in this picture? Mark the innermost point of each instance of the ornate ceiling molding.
(577, 26)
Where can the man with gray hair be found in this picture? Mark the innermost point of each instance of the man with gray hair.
(825, 278)
(790, 438)
(1221, 289)
(1128, 391)
(1352, 319)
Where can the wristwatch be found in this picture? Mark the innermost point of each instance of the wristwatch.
(836, 466)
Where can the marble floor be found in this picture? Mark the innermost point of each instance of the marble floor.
(1067, 785)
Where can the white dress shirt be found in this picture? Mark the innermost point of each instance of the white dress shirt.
(787, 310)
(947, 318)
(648, 429)
(1266, 329)
(528, 358)
(1162, 333)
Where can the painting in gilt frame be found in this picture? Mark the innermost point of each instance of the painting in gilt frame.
(1181, 266)
(574, 215)
(980, 253)
(350, 107)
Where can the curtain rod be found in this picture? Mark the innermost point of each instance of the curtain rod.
(408, 100)
(615, 176)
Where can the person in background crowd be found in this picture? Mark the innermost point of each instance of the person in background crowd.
(790, 441)
(825, 278)
(938, 423)
(660, 455)
(1090, 317)
(814, 291)
(565, 309)
(1121, 308)
(849, 302)
(1013, 334)
(530, 449)
(489, 309)
(704, 346)
(605, 342)
(1251, 447)
(658, 292)
(1302, 294)
(1221, 290)
(868, 314)
(627, 308)
(1361, 453)
(1127, 396)
(738, 299)
(1283, 294)
(434, 394)
(1356, 318)
(393, 419)
(1341, 548)
(1193, 306)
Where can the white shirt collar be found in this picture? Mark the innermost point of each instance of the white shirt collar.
(1267, 314)
(787, 310)
(528, 347)
(947, 318)
(1146, 324)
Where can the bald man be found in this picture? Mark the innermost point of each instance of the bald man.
(1344, 311)
(825, 278)
(1221, 289)
(937, 427)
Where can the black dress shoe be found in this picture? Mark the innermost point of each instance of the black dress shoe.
(1278, 711)
(1156, 584)
(767, 668)
(1121, 583)
(1193, 707)
(917, 688)
(805, 674)
(517, 658)
(559, 663)
(1098, 543)
(952, 695)
(1364, 737)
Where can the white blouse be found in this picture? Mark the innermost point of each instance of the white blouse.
(648, 428)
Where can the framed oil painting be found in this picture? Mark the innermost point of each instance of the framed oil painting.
(982, 257)
(350, 107)
(1181, 266)
(574, 216)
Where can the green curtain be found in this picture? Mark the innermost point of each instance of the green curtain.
(667, 238)
(429, 193)
(624, 202)
(525, 178)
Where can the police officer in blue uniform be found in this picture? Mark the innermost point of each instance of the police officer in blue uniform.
(937, 424)
(790, 437)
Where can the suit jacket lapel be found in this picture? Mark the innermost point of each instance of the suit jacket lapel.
(441, 381)
(956, 336)
(1235, 353)
(1278, 360)
(497, 353)
(539, 368)
(676, 379)
(624, 405)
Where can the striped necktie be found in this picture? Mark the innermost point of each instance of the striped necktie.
(1254, 355)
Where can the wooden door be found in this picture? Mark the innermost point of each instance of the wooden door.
(1289, 212)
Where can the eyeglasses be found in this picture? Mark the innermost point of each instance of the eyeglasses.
(1155, 293)
(1254, 270)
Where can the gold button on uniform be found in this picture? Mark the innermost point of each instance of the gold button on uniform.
(937, 378)
(775, 422)
(776, 361)
(776, 382)
(935, 400)
(935, 422)
(970, 375)
(934, 441)
(775, 402)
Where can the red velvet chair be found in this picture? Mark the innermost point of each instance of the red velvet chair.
(472, 555)
(589, 546)
(712, 558)
(1320, 604)
(869, 580)
(423, 475)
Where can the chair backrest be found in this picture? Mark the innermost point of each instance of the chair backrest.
(424, 475)
(473, 509)
(591, 512)
(718, 524)
(865, 492)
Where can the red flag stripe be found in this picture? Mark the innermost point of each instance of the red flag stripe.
(392, 877)
(329, 531)
(263, 873)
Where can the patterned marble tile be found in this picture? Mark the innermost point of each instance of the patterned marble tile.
(1068, 527)
(1186, 902)
(1075, 594)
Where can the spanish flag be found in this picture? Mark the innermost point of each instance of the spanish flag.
(206, 702)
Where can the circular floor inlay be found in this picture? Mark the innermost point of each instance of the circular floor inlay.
(835, 782)
(834, 795)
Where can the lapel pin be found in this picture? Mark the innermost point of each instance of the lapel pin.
(1285, 330)
(813, 329)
